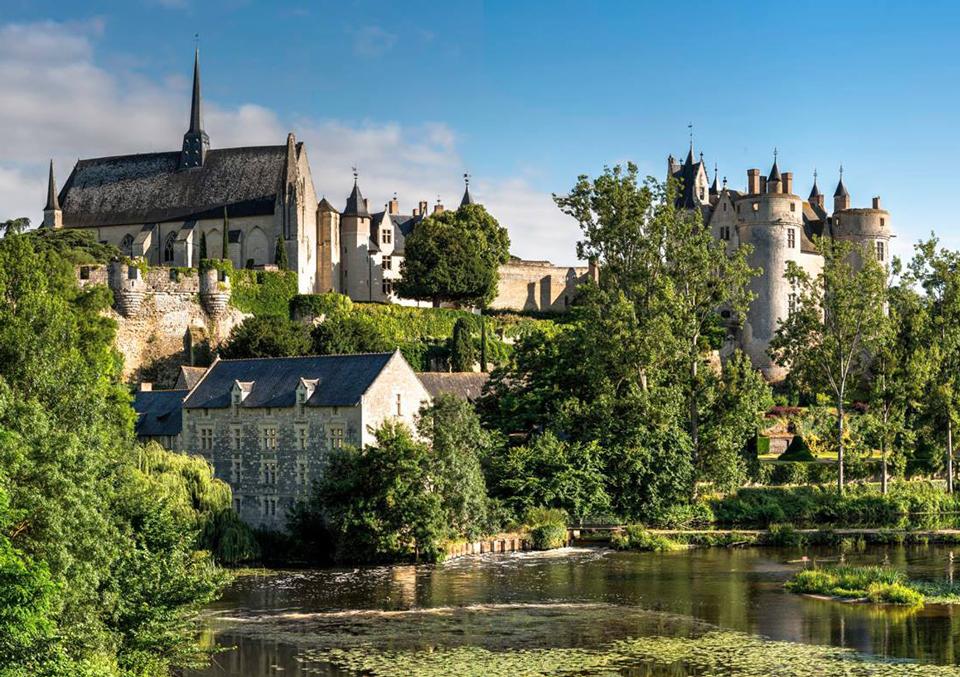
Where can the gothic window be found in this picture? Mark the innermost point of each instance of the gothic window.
(168, 248)
(880, 251)
(126, 245)
(791, 238)
(387, 263)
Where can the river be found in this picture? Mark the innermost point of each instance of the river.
(567, 606)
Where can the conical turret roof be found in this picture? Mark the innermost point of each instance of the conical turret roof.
(356, 206)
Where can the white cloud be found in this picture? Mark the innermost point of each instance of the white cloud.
(60, 103)
(372, 41)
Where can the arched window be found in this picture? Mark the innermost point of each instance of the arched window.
(168, 248)
(126, 245)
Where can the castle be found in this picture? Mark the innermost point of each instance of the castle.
(246, 204)
(780, 226)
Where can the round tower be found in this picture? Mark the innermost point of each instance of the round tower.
(772, 223)
(869, 228)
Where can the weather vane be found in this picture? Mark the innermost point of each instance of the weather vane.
(466, 179)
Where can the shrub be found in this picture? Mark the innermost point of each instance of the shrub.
(797, 451)
(684, 516)
(893, 593)
(635, 537)
(315, 305)
(548, 536)
(785, 535)
(263, 292)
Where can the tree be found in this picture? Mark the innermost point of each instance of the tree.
(225, 240)
(462, 352)
(203, 246)
(280, 255)
(267, 336)
(344, 332)
(668, 265)
(15, 226)
(836, 326)
(454, 257)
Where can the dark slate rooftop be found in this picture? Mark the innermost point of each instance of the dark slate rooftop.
(158, 412)
(147, 188)
(465, 385)
(189, 377)
(342, 380)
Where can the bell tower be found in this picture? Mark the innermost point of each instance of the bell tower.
(196, 143)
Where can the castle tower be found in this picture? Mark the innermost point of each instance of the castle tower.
(816, 197)
(841, 198)
(52, 214)
(866, 227)
(196, 143)
(328, 248)
(356, 271)
(771, 221)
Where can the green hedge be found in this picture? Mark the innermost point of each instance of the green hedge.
(548, 536)
(263, 292)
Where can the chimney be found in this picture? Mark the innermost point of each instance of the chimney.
(366, 205)
(876, 202)
(423, 207)
(438, 208)
(763, 184)
(787, 185)
(145, 387)
(393, 207)
(753, 181)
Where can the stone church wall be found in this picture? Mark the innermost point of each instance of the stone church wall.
(165, 318)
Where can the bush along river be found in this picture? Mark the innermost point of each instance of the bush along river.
(585, 611)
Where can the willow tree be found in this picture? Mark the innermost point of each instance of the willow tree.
(664, 260)
(836, 326)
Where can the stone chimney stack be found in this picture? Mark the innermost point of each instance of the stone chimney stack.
(876, 203)
(423, 208)
(753, 181)
(763, 184)
(787, 182)
(393, 207)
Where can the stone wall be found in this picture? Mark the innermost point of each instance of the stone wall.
(537, 286)
(165, 318)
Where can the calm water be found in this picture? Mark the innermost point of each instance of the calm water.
(567, 598)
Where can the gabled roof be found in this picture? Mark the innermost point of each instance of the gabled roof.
(147, 188)
(189, 376)
(342, 380)
(465, 385)
(158, 412)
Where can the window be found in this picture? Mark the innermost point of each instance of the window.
(386, 236)
(724, 232)
(206, 439)
(302, 439)
(387, 263)
(301, 476)
(882, 221)
(756, 206)
(85, 271)
(269, 441)
(399, 404)
(301, 402)
(268, 506)
(236, 470)
(880, 251)
(724, 206)
(793, 206)
(738, 209)
(168, 248)
(236, 397)
(268, 472)
(336, 437)
(387, 287)
(701, 192)
(236, 435)
(791, 238)
(126, 245)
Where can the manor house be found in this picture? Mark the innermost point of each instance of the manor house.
(247, 204)
(781, 227)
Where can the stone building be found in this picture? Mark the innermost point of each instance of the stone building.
(267, 425)
(780, 226)
(163, 207)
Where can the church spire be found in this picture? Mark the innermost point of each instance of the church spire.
(196, 143)
(467, 198)
(52, 215)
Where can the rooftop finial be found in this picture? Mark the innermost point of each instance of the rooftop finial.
(774, 154)
(467, 199)
(466, 179)
(841, 171)
(690, 128)
(724, 183)
(356, 174)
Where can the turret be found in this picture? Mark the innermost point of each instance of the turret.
(196, 143)
(774, 181)
(52, 214)
(816, 197)
(355, 231)
(841, 198)
(467, 198)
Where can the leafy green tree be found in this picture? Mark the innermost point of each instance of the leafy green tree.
(735, 417)
(665, 262)
(462, 351)
(343, 333)
(549, 472)
(459, 444)
(836, 326)
(280, 255)
(15, 226)
(203, 246)
(381, 502)
(267, 336)
(454, 256)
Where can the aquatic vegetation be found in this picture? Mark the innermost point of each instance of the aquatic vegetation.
(638, 538)
(713, 653)
(881, 585)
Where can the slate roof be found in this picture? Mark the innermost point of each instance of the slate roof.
(465, 385)
(342, 380)
(158, 412)
(356, 206)
(189, 377)
(687, 176)
(403, 225)
(148, 188)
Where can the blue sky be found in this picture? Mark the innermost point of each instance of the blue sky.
(525, 96)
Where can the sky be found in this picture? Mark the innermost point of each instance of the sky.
(525, 96)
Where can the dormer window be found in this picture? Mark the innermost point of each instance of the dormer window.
(238, 394)
(304, 392)
(386, 236)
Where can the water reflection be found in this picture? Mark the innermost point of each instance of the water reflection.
(531, 599)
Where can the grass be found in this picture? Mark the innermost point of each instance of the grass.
(880, 585)
(637, 538)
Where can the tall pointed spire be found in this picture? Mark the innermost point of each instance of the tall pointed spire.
(196, 143)
(53, 200)
(815, 191)
(467, 198)
(356, 205)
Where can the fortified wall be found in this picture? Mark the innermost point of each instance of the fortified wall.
(538, 285)
(165, 317)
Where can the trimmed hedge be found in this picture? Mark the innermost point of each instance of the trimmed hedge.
(798, 451)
